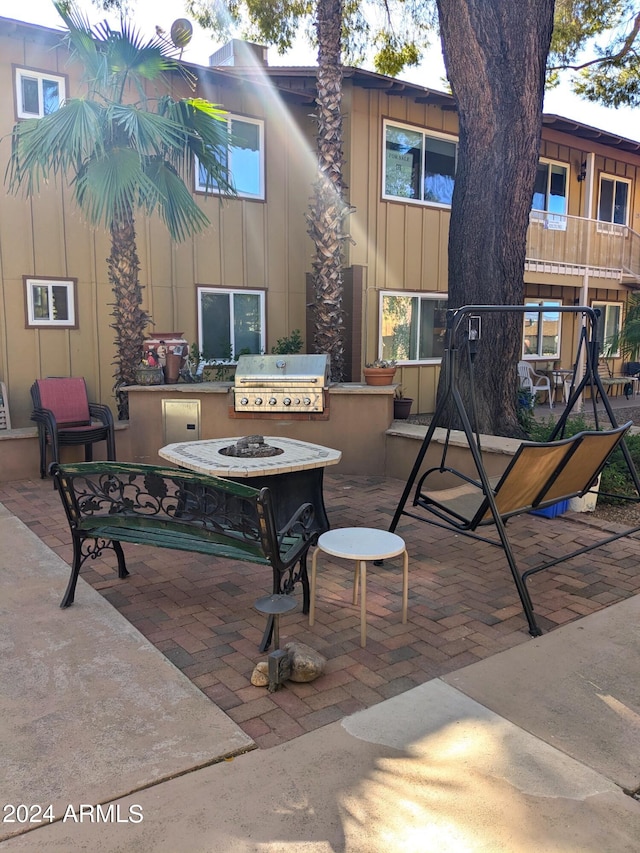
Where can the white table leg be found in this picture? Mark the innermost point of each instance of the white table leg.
(405, 586)
(363, 603)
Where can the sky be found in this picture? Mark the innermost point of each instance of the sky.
(149, 13)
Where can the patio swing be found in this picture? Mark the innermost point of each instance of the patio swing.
(539, 475)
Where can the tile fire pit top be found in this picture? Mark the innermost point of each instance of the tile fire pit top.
(206, 457)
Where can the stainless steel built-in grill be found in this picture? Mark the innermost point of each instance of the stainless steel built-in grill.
(281, 383)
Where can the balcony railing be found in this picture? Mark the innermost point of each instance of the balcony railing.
(572, 241)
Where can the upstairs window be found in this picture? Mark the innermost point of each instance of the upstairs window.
(418, 166)
(613, 203)
(51, 303)
(550, 195)
(230, 323)
(244, 159)
(38, 93)
(541, 336)
(412, 326)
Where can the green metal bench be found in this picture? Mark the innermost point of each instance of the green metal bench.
(107, 503)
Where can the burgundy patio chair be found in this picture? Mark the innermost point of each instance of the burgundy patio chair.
(65, 416)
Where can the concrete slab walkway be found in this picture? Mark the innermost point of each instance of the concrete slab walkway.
(89, 709)
(530, 750)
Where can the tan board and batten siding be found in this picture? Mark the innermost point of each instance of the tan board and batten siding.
(253, 244)
(407, 246)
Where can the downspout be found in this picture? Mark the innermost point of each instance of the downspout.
(587, 208)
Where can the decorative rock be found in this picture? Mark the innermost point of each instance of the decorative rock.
(306, 663)
(260, 675)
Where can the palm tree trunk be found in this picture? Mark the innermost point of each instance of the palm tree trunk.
(327, 208)
(130, 320)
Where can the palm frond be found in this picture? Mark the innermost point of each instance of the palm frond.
(176, 206)
(55, 144)
(108, 188)
(148, 132)
(208, 139)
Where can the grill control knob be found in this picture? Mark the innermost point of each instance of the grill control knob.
(244, 401)
(287, 401)
(272, 401)
(296, 402)
(258, 401)
(307, 401)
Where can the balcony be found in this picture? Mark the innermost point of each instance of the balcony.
(572, 245)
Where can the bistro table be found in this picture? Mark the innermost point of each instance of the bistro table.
(559, 376)
(294, 476)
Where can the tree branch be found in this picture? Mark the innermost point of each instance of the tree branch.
(603, 60)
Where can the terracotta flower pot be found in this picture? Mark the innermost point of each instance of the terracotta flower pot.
(379, 375)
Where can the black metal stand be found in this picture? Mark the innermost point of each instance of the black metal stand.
(591, 379)
(274, 606)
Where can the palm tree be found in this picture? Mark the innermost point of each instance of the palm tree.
(122, 149)
(328, 208)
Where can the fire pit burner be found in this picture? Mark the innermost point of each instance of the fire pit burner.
(251, 447)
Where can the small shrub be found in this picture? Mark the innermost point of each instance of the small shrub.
(288, 345)
(525, 404)
(616, 477)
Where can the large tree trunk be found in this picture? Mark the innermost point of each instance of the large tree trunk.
(327, 208)
(130, 320)
(495, 54)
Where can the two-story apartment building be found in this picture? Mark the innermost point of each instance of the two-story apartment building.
(255, 259)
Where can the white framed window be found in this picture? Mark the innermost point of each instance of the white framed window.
(230, 323)
(244, 160)
(609, 326)
(50, 302)
(418, 165)
(542, 331)
(549, 203)
(412, 326)
(38, 93)
(613, 200)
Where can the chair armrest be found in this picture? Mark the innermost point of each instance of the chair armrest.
(101, 413)
(46, 419)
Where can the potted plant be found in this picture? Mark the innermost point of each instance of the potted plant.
(379, 372)
(401, 405)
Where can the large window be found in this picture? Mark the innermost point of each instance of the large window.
(244, 159)
(541, 336)
(230, 323)
(412, 326)
(418, 165)
(609, 325)
(550, 195)
(38, 93)
(613, 203)
(50, 302)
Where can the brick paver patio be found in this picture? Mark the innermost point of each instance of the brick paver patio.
(463, 604)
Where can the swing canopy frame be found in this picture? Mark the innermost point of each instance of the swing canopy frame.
(540, 474)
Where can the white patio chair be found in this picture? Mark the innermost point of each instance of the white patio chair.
(5, 420)
(533, 381)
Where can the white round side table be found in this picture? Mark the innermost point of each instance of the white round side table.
(361, 544)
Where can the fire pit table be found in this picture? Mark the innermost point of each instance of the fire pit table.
(293, 470)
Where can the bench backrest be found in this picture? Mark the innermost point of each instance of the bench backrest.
(541, 474)
(236, 517)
